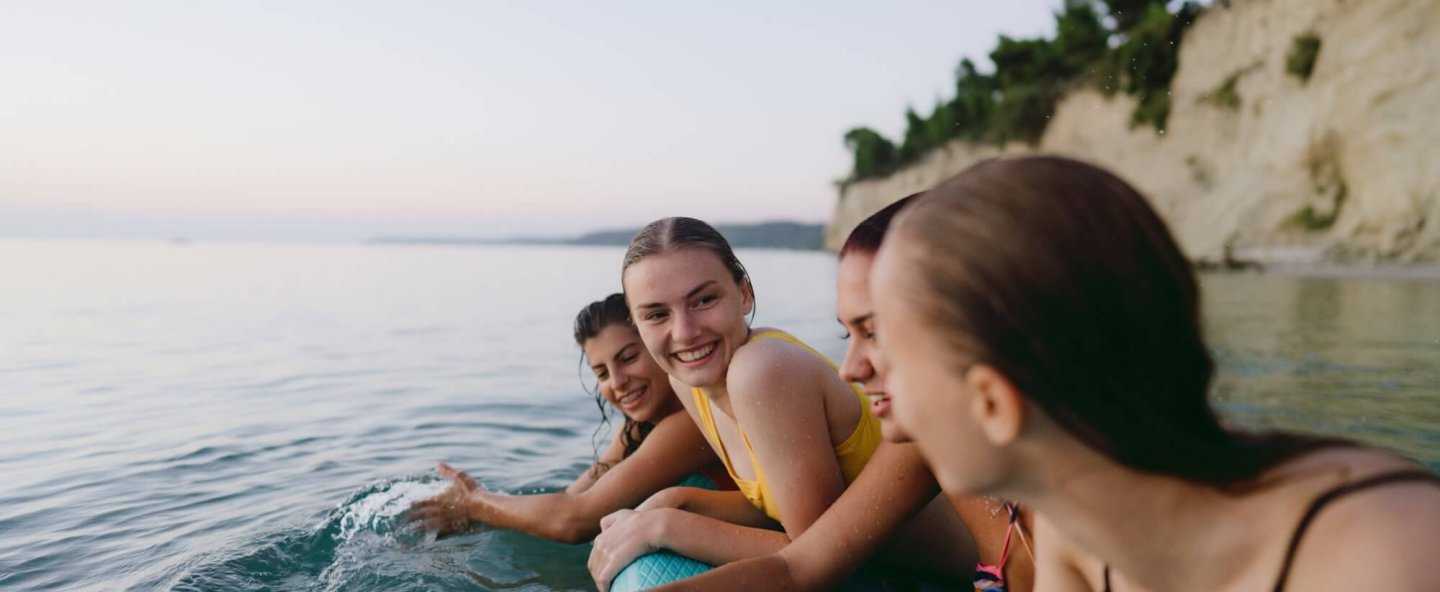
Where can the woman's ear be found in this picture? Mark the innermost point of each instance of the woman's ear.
(747, 295)
(997, 406)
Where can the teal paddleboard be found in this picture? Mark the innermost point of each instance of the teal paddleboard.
(657, 569)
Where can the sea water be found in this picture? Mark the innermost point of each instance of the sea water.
(258, 416)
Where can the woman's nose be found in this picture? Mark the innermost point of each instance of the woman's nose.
(619, 378)
(856, 366)
(685, 329)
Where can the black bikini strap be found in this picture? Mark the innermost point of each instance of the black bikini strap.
(1332, 495)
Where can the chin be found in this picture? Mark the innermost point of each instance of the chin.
(698, 378)
(893, 434)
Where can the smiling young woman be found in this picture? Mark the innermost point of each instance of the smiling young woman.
(1041, 341)
(656, 447)
(792, 433)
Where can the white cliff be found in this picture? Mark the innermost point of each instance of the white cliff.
(1342, 167)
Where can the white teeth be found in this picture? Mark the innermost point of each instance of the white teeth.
(631, 398)
(692, 355)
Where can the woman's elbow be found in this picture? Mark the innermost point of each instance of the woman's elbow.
(575, 534)
(573, 530)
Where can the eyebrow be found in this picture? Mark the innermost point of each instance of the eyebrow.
(691, 294)
(618, 354)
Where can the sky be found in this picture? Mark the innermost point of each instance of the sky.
(321, 120)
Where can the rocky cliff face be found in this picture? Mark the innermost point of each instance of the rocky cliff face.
(1342, 167)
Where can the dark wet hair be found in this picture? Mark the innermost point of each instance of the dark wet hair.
(592, 320)
(669, 234)
(870, 233)
(1060, 275)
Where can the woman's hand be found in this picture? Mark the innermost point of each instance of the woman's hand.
(624, 536)
(449, 511)
(670, 497)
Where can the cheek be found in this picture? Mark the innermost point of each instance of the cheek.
(918, 402)
(606, 392)
(903, 398)
(654, 341)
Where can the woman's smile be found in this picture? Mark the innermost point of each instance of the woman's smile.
(696, 356)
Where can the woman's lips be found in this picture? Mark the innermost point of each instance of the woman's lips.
(879, 404)
(633, 399)
(695, 355)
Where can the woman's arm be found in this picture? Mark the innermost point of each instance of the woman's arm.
(777, 392)
(614, 453)
(894, 486)
(726, 506)
(673, 450)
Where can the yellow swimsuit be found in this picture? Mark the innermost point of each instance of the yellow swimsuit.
(852, 454)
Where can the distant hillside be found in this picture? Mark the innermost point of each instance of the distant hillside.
(764, 235)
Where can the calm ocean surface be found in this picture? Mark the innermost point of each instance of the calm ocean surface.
(255, 417)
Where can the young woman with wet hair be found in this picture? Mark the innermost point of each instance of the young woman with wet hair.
(657, 446)
(893, 487)
(1041, 342)
(792, 432)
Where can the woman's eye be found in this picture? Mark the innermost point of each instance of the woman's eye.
(628, 359)
(655, 316)
(704, 300)
(845, 337)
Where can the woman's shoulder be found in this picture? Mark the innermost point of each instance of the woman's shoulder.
(1341, 481)
(769, 345)
(1364, 508)
(1336, 464)
(777, 358)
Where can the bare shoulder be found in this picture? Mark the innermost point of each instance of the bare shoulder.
(1343, 462)
(770, 366)
(1380, 537)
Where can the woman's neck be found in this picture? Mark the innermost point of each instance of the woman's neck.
(719, 398)
(1162, 533)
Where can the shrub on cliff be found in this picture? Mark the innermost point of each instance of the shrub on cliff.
(1303, 51)
(875, 156)
(1148, 58)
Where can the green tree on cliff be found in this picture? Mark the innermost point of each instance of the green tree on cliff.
(874, 154)
(1138, 56)
(917, 138)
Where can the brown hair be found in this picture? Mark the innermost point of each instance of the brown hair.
(589, 323)
(668, 234)
(1061, 276)
(870, 233)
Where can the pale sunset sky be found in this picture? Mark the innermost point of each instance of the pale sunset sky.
(335, 121)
